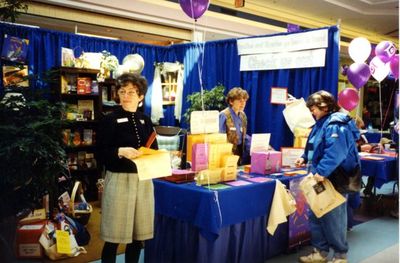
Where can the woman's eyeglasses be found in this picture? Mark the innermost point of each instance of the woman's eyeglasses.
(129, 93)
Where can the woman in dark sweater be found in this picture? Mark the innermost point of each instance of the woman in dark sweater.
(127, 203)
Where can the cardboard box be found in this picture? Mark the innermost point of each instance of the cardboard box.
(27, 240)
(229, 162)
(37, 215)
(203, 138)
(199, 157)
(209, 176)
(266, 162)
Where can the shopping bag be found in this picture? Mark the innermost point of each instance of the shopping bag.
(298, 115)
(320, 196)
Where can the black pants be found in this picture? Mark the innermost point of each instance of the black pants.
(132, 252)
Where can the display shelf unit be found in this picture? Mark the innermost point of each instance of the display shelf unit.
(79, 91)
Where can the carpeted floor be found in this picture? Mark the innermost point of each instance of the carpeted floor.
(372, 237)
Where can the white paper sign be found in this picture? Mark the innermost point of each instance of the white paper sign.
(290, 155)
(279, 95)
(204, 122)
(260, 142)
(284, 43)
(298, 115)
(299, 59)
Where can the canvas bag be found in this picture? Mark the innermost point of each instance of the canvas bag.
(298, 115)
(320, 196)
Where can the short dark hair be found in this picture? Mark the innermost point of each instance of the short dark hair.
(137, 80)
(236, 93)
(323, 99)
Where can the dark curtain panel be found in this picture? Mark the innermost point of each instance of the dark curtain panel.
(217, 61)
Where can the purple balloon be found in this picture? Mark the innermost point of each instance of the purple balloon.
(358, 74)
(348, 98)
(194, 8)
(394, 66)
(385, 50)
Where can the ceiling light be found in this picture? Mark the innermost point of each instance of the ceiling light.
(99, 36)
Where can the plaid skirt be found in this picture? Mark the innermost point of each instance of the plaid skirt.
(127, 208)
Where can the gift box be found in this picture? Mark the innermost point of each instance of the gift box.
(199, 157)
(266, 162)
(27, 240)
(210, 138)
(180, 176)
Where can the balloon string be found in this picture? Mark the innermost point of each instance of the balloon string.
(388, 108)
(200, 47)
(380, 106)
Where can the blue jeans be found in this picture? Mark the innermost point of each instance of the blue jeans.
(330, 230)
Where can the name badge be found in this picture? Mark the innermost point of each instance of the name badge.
(122, 120)
(232, 128)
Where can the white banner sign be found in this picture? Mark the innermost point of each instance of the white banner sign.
(285, 43)
(299, 59)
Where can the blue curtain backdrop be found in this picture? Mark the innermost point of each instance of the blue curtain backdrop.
(217, 61)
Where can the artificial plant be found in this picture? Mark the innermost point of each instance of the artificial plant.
(213, 99)
(32, 157)
(11, 9)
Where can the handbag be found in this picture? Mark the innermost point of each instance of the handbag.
(346, 182)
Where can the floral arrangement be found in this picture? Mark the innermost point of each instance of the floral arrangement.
(108, 64)
(109, 61)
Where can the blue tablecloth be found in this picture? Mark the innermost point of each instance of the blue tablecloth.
(194, 224)
(375, 137)
(383, 171)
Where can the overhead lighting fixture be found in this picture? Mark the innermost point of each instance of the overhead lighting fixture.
(99, 36)
(239, 3)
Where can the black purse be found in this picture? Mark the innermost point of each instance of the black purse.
(346, 182)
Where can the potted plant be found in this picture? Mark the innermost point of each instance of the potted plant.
(31, 156)
(213, 99)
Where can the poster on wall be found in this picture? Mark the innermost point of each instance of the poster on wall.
(279, 95)
(14, 49)
(15, 76)
(299, 230)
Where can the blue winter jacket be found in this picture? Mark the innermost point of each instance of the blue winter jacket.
(334, 142)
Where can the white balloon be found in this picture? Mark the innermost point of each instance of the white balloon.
(120, 70)
(359, 49)
(134, 63)
(379, 70)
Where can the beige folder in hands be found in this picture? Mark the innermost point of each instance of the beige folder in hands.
(153, 164)
(321, 196)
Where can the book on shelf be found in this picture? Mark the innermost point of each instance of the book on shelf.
(86, 108)
(72, 161)
(84, 85)
(68, 83)
(87, 137)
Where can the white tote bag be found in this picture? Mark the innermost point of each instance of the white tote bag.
(297, 114)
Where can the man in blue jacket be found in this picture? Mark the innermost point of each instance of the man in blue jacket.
(331, 145)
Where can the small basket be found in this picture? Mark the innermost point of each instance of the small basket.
(82, 216)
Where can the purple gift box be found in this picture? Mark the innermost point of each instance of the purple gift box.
(199, 156)
(266, 162)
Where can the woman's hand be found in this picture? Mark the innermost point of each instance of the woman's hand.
(128, 152)
(299, 162)
(319, 178)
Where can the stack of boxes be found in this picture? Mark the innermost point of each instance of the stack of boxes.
(211, 157)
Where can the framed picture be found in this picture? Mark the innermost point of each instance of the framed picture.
(14, 49)
(279, 95)
(15, 76)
